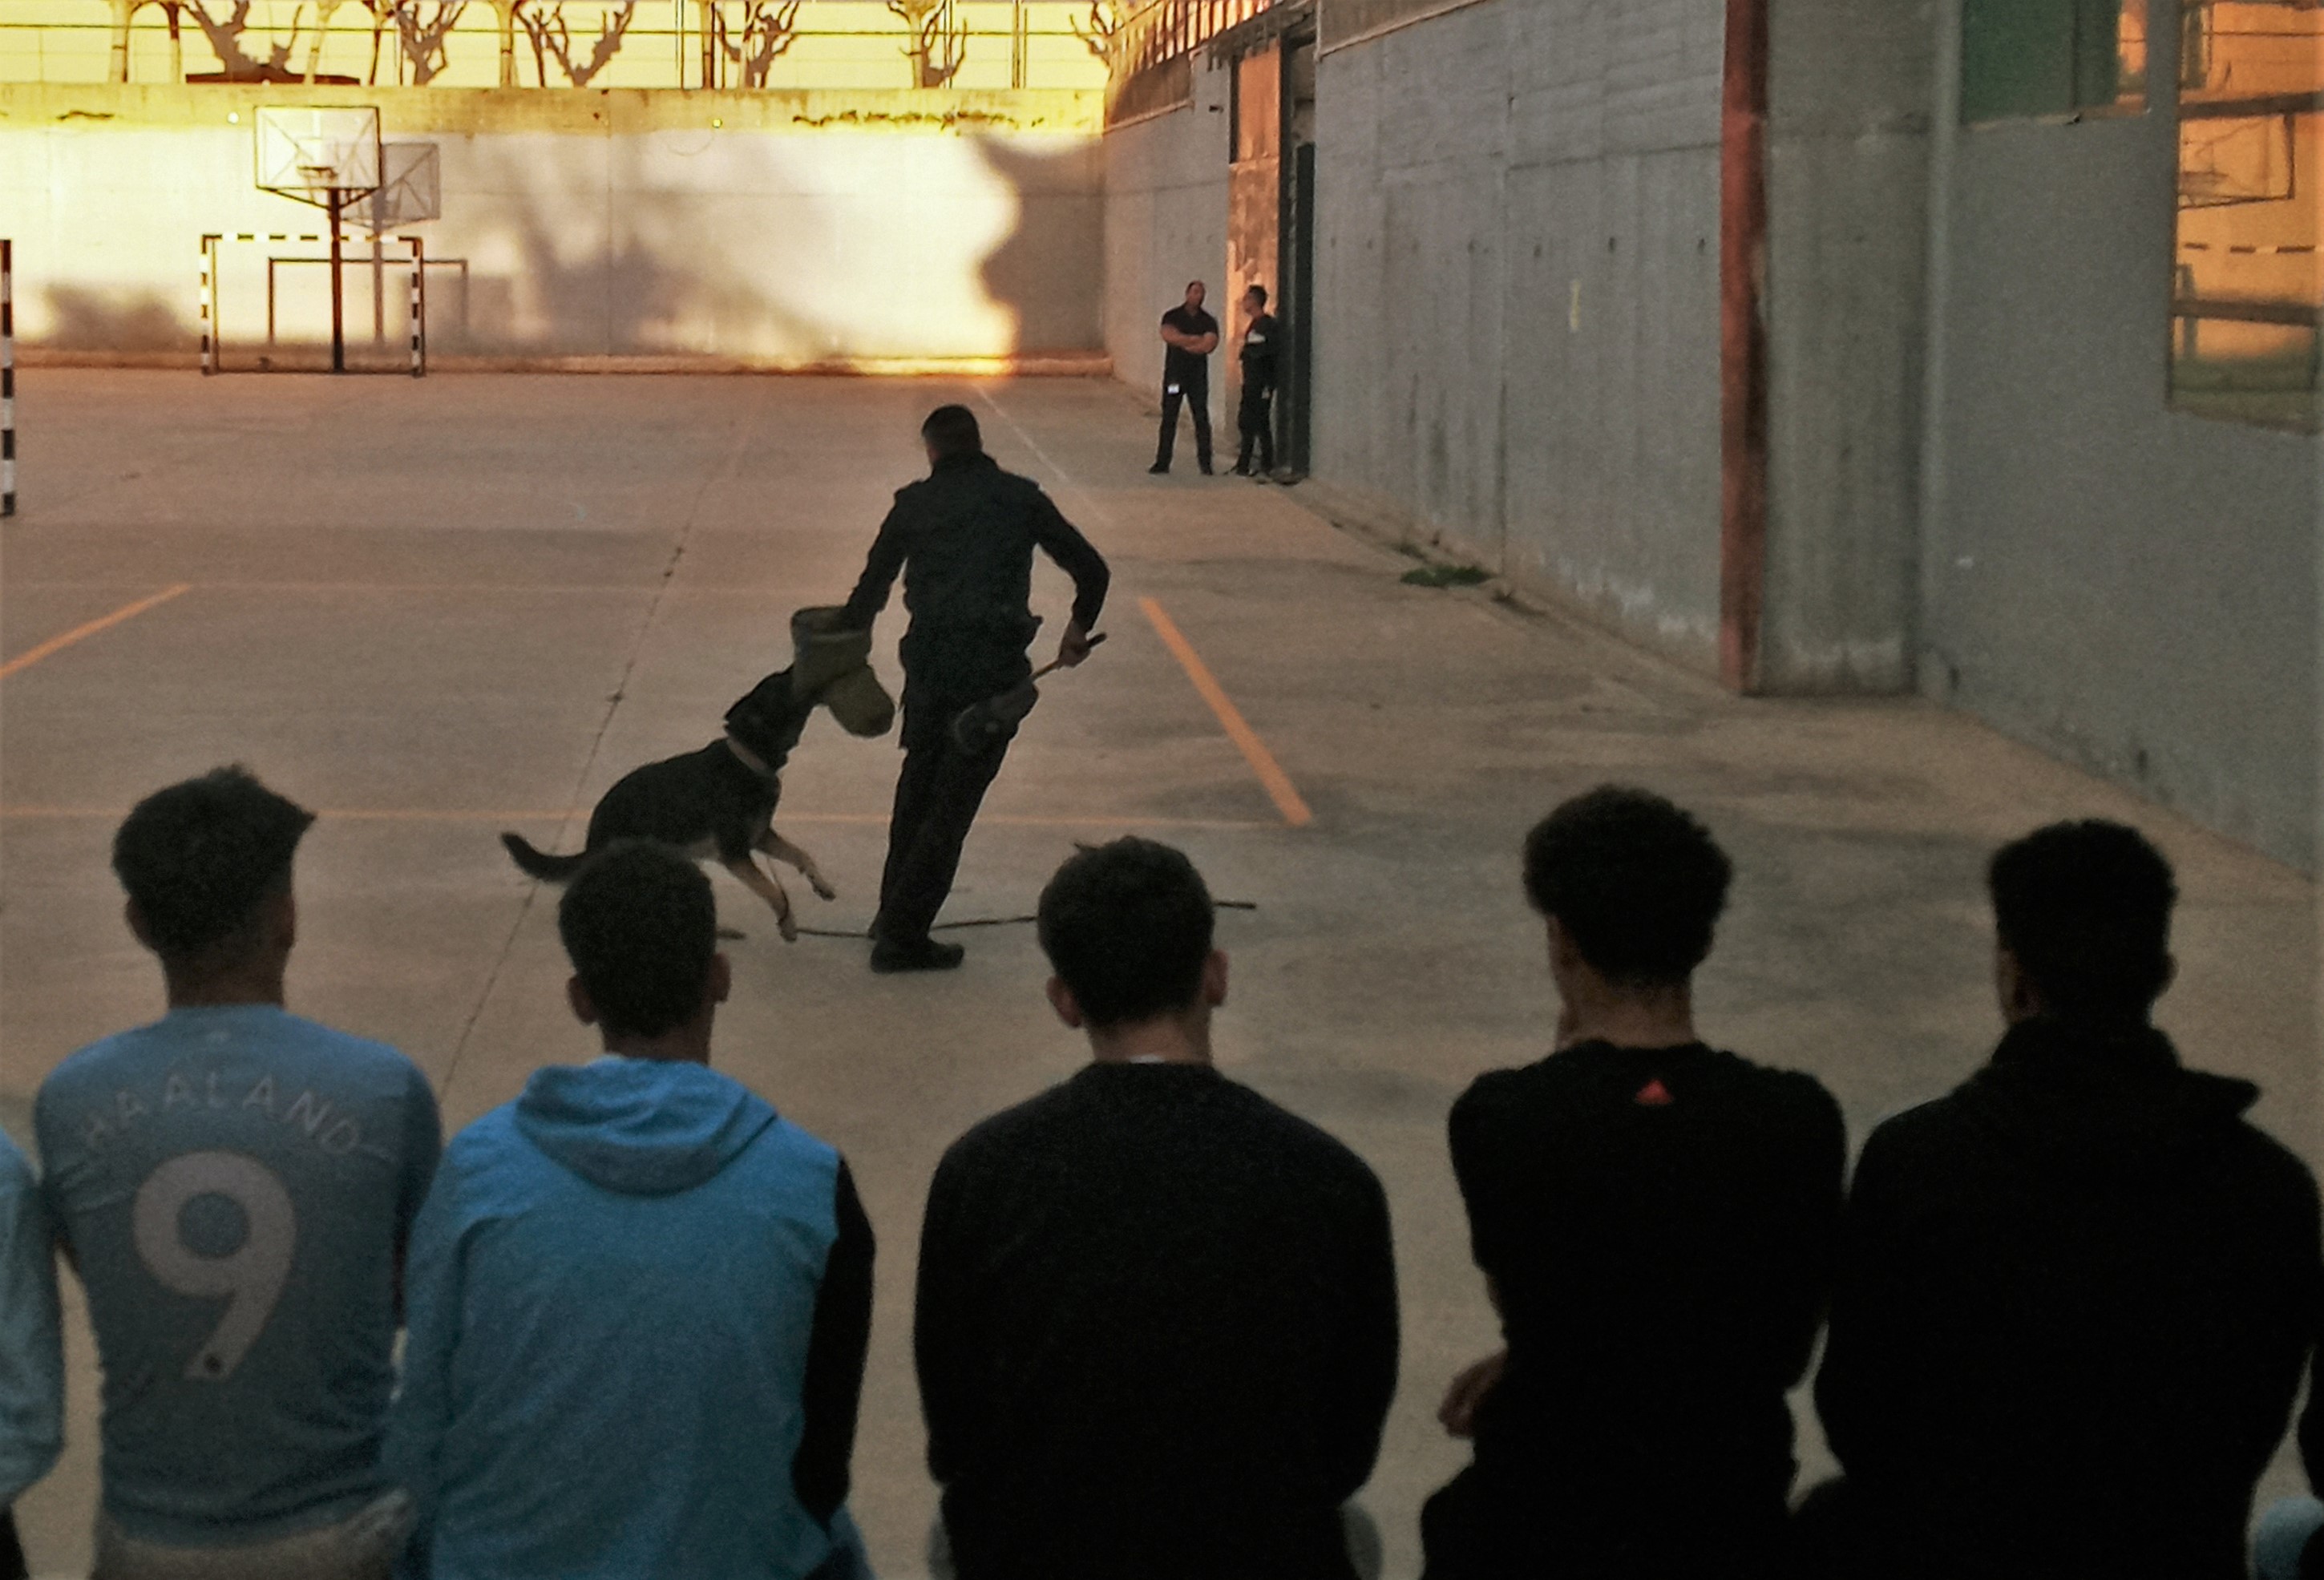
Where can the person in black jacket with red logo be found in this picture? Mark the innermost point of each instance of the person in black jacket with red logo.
(962, 538)
(2077, 1294)
(1656, 1222)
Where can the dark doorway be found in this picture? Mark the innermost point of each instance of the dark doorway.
(1293, 404)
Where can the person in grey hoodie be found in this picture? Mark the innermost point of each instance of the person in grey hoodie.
(639, 1296)
(32, 1347)
(2077, 1294)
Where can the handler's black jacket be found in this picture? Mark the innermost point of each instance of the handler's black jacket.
(2076, 1297)
(964, 537)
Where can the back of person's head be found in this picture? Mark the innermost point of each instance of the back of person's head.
(1127, 927)
(952, 431)
(2085, 910)
(640, 925)
(1636, 882)
(200, 858)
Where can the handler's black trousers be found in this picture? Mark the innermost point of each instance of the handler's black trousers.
(12, 1554)
(1255, 417)
(936, 798)
(1197, 399)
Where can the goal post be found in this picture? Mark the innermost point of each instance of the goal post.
(275, 301)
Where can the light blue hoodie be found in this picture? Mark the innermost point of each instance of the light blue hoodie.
(612, 1289)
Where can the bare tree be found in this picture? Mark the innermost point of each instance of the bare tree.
(381, 12)
(425, 34)
(508, 12)
(170, 9)
(553, 40)
(1103, 32)
(123, 12)
(225, 39)
(323, 9)
(769, 27)
(939, 40)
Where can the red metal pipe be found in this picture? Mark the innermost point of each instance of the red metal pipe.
(1743, 345)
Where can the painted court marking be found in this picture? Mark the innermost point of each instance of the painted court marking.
(1279, 788)
(25, 661)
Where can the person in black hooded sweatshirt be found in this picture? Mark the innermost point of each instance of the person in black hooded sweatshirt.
(2076, 1294)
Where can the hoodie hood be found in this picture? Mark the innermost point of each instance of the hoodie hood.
(2102, 1101)
(640, 1126)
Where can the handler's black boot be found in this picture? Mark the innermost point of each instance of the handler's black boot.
(890, 956)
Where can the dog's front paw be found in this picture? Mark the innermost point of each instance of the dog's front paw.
(788, 926)
(822, 887)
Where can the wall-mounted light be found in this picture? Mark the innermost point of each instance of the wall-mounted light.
(716, 122)
(233, 117)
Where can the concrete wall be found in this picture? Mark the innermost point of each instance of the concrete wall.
(1850, 88)
(1517, 297)
(768, 229)
(1165, 223)
(2132, 588)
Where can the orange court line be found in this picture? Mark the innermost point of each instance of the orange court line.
(1262, 762)
(545, 814)
(25, 661)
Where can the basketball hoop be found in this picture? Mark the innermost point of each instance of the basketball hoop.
(327, 157)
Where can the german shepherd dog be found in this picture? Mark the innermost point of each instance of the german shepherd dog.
(718, 802)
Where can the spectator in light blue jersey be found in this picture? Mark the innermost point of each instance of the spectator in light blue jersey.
(234, 1186)
(31, 1354)
(639, 1296)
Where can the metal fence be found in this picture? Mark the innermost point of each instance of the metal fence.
(982, 44)
(1164, 30)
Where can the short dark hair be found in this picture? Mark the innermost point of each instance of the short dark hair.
(952, 431)
(198, 857)
(1637, 884)
(2086, 909)
(640, 925)
(1127, 927)
(1259, 292)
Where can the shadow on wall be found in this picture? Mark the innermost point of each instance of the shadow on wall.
(596, 266)
(1048, 273)
(81, 319)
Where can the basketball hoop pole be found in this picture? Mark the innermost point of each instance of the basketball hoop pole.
(338, 290)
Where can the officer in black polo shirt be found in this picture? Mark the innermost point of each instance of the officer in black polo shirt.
(1191, 335)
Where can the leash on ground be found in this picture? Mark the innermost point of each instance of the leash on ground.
(825, 932)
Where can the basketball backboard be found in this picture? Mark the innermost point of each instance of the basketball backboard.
(410, 187)
(322, 156)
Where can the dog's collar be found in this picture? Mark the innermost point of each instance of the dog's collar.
(751, 761)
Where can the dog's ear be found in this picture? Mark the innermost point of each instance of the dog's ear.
(770, 721)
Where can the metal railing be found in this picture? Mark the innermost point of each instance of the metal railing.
(1164, 30)
(571, 44)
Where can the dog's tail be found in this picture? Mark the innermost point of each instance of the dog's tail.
(549, 869)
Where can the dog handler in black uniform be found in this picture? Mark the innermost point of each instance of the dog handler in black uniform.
(963, 538)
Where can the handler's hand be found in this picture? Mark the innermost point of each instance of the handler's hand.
(1468, 1393)
(1074, 647)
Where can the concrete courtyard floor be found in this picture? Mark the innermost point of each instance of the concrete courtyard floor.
(435, 610)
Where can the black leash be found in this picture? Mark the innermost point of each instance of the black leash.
(861, 937)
